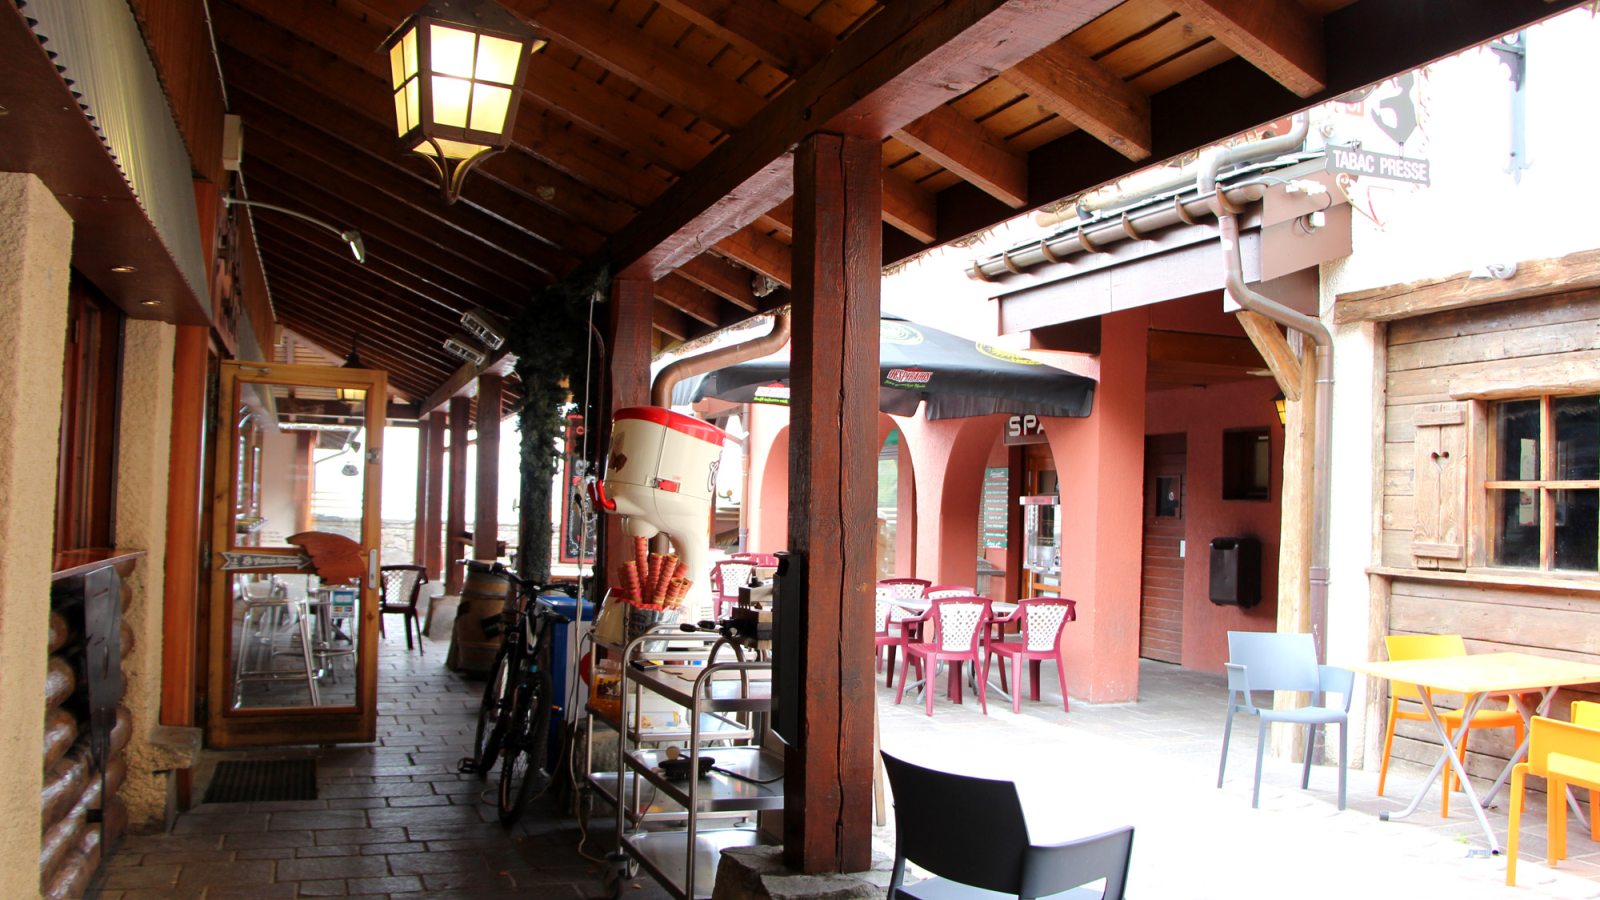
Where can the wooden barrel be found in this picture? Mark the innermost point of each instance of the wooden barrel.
(477, 636)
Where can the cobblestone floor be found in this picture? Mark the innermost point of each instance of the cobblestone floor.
(393, 820)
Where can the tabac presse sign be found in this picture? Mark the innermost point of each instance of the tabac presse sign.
(1355, 161)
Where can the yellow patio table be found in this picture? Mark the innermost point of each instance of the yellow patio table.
(1476, 677)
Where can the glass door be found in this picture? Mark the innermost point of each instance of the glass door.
(294, 555)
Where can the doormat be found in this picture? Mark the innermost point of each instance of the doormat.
(262, 780)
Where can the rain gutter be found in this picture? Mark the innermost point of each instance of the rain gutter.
(1211, 163)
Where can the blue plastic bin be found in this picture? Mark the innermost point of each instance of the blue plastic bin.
(561, 668)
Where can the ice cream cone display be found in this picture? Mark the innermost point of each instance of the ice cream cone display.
(661, 477)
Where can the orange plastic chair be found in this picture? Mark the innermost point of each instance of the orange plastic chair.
(1587, 714)
(1435, 646)
(1563, 754)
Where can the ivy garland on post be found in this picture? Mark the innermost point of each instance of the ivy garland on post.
(551, 340)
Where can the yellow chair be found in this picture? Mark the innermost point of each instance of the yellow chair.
(1435, 646)
(1563, 754)
(1587, 714)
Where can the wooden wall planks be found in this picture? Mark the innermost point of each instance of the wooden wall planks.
(1429, 358)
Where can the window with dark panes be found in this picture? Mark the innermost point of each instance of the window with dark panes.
(1544, 483)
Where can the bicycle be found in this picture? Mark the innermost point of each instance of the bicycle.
(514, 715)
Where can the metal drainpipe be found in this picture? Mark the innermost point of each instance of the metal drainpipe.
(1212, 162)
(744, 474)
(771, 342)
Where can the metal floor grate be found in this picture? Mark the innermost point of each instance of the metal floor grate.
(261, 780)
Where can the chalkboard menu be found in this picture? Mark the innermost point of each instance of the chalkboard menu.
(996, 514)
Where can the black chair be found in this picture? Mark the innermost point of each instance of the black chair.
(970, 832)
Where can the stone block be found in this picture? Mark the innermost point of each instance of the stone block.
(759, 873)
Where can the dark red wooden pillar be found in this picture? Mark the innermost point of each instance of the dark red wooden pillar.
(433, 535)
(419, 534)
(456, 516)
(832, 497)
(632, 305)
(486, 521)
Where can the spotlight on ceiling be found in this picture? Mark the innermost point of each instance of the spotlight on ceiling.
(350, 236)
(461, 347)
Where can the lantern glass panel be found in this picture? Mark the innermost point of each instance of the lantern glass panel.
(452, 149)
(453, 50)
(413, 105)
(497, 60)
(451, 97)
(489, 105)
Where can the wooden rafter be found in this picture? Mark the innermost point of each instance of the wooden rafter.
(1066, 81)
(690, 299)
(1286, 368)
(730, 282)
(764, 29)
(903, 63)
(761, 253)
(1279, 37)
(671, 322)
(969, 150)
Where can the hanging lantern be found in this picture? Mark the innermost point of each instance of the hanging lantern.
(457, 70)
(1281, 404)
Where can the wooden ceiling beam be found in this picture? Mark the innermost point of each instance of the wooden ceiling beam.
(903, 63)
(469, 234)
(382, 237)
(419, 340)
(1066, 81)
(515, 180)
(318, 242)
(671, 322)
(312, 308)
(760, 253)
(781, 217)
(299, 254)
(726, 280)
(1279, 37)
(300, 35)
(689, 298)
(765, 29)
(399, 380)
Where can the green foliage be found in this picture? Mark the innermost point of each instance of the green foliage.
(551, 340)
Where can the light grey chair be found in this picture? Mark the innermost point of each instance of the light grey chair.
(1266, 661)
(971, 834)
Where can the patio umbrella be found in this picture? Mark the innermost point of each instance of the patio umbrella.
(954, 376)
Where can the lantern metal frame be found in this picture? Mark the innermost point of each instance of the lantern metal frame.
(482, 18)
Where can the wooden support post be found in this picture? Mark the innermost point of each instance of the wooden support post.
(456, 517)
(304, 478)
(185, 484)
(1294, 542)
(827, 815)
(419, 533)
(632, 303)
(486, 521)
(433, 536)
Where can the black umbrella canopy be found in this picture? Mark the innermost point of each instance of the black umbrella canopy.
(954, 376)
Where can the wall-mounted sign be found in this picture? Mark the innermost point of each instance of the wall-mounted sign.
(1352, 161)
(1028, 429)
(996, 512)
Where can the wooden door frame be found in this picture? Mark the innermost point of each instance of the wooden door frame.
(229, 728)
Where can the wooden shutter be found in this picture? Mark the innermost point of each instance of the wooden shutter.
(1439, 538)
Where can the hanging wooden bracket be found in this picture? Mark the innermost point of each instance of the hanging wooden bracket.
(1274, 348)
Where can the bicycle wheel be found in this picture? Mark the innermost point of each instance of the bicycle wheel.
(493, 711)
(526, 744)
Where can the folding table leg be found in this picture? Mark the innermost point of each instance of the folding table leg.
(1450, 758)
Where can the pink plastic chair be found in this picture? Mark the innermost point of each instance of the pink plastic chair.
(940, 591)
(889, 616)
(761, 559)
(1043, 619)
(726, 579)
(959, 624)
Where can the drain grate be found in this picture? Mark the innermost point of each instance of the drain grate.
(260, 780)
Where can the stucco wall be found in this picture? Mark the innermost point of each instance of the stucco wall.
(144, 444)
(35, 248)
(1203, 414)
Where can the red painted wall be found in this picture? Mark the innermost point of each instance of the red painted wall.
(1101, 464)
(1204, 414)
